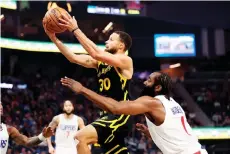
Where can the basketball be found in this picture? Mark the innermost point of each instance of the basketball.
(51, 20)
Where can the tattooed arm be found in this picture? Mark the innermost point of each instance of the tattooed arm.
(21, 139)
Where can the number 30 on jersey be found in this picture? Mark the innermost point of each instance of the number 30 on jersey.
(104, 84)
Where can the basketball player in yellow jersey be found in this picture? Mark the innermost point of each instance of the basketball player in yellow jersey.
(114, 70)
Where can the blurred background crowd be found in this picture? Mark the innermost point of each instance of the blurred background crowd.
(32, 95)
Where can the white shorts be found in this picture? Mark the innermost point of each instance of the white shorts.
(63, 150)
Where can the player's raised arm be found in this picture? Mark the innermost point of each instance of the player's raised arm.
(32, 141)
(118, 60)
(139, 106)
(83, 60)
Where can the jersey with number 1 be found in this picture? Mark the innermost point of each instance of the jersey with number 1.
(175, 135)
(111, 82)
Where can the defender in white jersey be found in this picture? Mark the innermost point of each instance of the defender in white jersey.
(7, 132)
(66, 126)
(166, 121)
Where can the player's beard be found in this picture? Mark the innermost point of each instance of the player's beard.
(148, 91)
(68, 113)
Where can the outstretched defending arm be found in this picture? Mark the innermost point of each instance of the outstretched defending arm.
(138, 106)
(32, 141)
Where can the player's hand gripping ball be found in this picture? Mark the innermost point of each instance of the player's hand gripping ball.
(51, 20)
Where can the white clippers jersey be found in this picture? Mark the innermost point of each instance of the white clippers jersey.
(66, 130)
(175, 135)
(4, 139)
